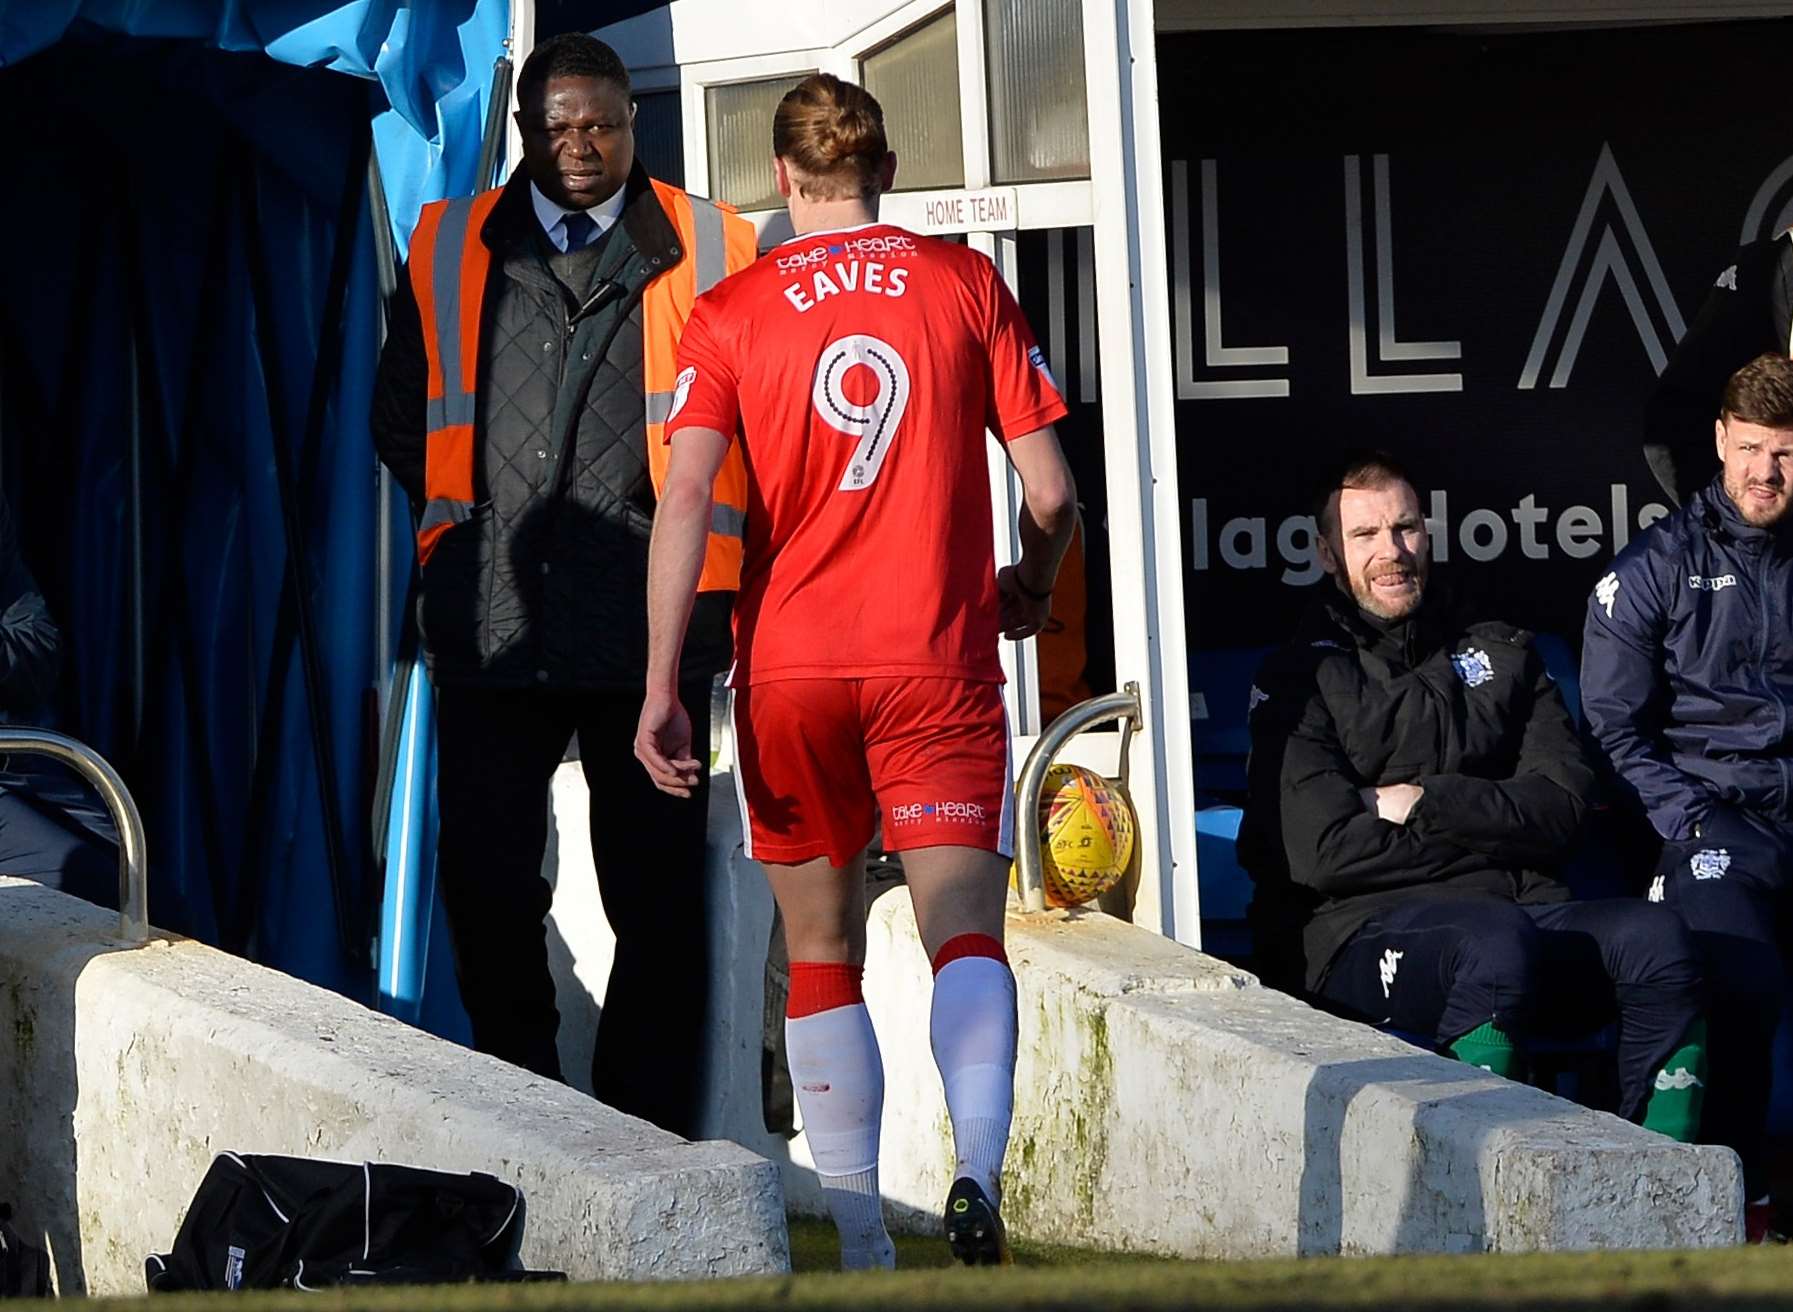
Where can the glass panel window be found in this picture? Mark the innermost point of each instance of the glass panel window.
(660, 136)
(916, 80)
(740, 126)
(1039, 117)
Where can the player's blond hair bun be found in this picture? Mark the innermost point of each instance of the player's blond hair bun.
(831, 133)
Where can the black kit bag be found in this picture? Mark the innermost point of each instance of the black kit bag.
(24, 1268)
(290, 1223)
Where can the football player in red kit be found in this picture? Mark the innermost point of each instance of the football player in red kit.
(860, 366)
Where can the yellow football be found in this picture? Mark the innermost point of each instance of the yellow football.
(1086, 835)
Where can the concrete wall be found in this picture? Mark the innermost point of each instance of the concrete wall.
(1165, 1103)
(127, 1071)
(582, 947)
(1168, 1103)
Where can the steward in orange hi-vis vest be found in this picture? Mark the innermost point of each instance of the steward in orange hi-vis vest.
(450, 269)
(528, 368)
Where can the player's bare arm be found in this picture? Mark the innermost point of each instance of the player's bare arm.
(675, 560)
(1048, 516)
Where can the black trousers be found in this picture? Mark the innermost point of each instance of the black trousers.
(497, 752)
(55, 829)
(1730, 886)
(1441, 965)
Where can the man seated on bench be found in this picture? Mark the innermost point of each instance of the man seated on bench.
(1414, 786)
(1686, 662)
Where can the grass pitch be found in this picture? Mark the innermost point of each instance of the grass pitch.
(1060, 1280)
(816, 1251)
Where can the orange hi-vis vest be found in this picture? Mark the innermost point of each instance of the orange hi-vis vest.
(450, 268)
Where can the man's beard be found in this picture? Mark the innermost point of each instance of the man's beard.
(1758, 517)
(1363, 593)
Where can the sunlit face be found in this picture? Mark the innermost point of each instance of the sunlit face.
(1376, 548)
(1758, 469)
(578, 140)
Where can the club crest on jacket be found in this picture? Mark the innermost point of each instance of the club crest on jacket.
(1473, 666)
(1711, 863)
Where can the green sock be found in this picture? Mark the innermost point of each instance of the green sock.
(1489, 1047)
(1673, 1107)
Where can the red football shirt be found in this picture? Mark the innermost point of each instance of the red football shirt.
(860, 369)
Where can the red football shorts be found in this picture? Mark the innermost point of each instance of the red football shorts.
(820, 762)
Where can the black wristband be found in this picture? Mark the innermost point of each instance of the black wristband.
(1027, 591)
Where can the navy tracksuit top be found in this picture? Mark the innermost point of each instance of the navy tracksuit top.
(1687, 665)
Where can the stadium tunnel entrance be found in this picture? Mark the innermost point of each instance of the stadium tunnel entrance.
(189, 322)
(172, 343)
(185, 355)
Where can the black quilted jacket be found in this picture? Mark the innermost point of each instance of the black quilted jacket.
(545, 585)
(1461, 707)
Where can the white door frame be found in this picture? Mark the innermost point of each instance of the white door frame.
(1138, 432)
(1140, 444)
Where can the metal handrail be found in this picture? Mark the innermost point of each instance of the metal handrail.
(1030, 870)
(133, 870)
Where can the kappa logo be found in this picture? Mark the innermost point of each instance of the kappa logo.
(681, 389)
(1728, 279)
(1391, 962)
(1257, 698)
(1606, 591)
(1710, 863)
(1657, 888)
(1473, 667)
(1717, 584)
(1681, 1079)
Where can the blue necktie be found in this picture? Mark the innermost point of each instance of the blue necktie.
(579, 230)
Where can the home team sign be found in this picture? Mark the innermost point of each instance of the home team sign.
(991, 209)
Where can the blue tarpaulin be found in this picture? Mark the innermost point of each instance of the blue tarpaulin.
(189, 325)
(433, 63)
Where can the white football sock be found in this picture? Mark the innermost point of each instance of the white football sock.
(858, 1212)
(974, 1047)
(839, 1081)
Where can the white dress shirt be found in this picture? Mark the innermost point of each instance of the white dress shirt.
(550, 215)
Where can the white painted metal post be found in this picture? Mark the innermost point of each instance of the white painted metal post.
(974, 93)
(1139, 438)
(521, 43)
(1020, 660)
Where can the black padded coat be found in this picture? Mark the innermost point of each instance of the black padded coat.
(1461, 707)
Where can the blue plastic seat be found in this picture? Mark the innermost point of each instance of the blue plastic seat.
(1220, 692)
(1225, 887)
(1561, 665)
(1220, 695)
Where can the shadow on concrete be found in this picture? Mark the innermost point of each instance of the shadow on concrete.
(40, 1170)
(580, 1011)
(1428, 1221)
